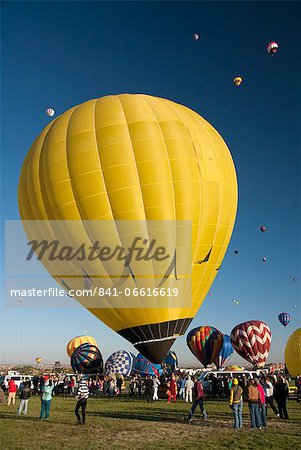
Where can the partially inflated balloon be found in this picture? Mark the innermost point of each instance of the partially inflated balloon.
(170, 363)
(205, 343)
(120, 362)
(135, 158)
(39, 359)
(225, 353)
(144, 367)
(77, 341)
(87, 359)
(252, 341)
(293, 353)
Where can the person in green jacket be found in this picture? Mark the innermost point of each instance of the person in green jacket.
(46, 398)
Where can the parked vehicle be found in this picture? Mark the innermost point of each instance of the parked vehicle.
(18, 379)
(222, 376)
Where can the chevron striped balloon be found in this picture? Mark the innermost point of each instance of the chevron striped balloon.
(252, 341)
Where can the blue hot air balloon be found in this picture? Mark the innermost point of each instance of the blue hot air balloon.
(120, 362)
(284, 318)
(144, 367)
(225, 353)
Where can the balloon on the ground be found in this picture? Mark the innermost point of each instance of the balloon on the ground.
(284, 318)
(263, 229)
(132, 158)
(77, 341)
(87, 359)
(272, 47)
(144, 367)
(205, 342)
(50, 112)
(237, 81)
(170, 363)
(252, 341)
(225, 353)
(293, 353)
(196, 37)
(120, 362)
(39, 359)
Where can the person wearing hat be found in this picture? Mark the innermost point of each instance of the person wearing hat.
(236, 403)
(46, 397)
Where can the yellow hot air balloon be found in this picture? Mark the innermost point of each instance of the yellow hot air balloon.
(293, 353)
(237, 81)
(77, 341)
(132, 158)
(39, 359)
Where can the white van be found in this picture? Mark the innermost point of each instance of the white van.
(206, 377)
(18, 379)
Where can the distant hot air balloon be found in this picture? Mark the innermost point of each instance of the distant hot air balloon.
(144, 367)
(236, 302)
(237, 81)
(272, 47)
(77, 341)
(252, 341)
(263, 229)
(39, 359)
(196, 37)
(50, 112)
(205, 343)
(236, 252)
(295, 306)
(87, 359)
(132, 158)
(210, 293)
(294, 279)
(225, 353)
(120, 362)
(284, 318)
(264, 259)
(293, 353)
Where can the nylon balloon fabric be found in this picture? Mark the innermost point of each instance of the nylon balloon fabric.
(252, 341)
(293, 353)
(205, 343)
(77, 341)
(120, 362)
(134, 157)
(225, 353)
(144, 367)
(87, 359)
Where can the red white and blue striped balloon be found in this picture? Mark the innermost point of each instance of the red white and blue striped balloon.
(284, 318)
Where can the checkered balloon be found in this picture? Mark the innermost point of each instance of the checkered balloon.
(120, 362)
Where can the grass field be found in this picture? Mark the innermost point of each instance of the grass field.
(134, 424)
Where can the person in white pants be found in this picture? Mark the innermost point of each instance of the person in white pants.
(24, 395)
(188, 389)
(156, 385)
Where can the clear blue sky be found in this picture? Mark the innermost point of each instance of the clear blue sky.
(59, 54)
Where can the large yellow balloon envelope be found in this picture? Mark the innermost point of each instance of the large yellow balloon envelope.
(135, 157)
(293, 353)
